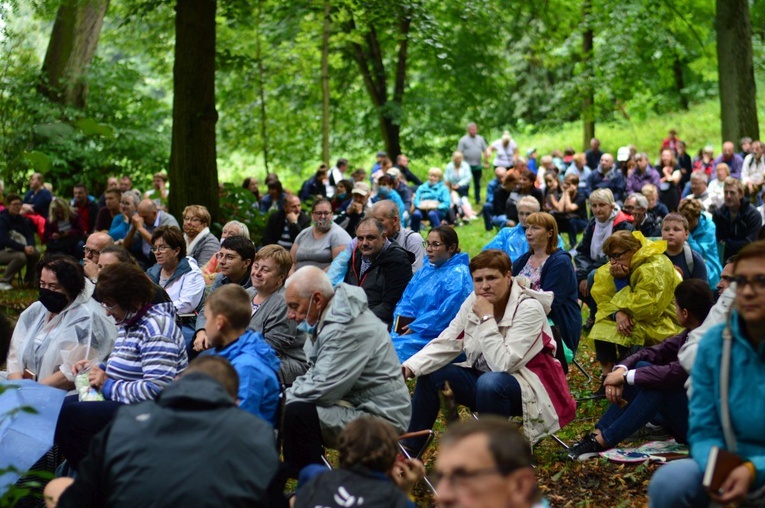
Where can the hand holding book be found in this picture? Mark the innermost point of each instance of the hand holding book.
(727, 477)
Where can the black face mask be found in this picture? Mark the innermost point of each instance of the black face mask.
(53, 301)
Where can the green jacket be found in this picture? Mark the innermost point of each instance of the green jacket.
(648, 299)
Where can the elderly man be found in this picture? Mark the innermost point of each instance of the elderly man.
(642, 174)
(737, 221)
(729, 156)
(606, 177)
(699, 183)
(92, 250)
(143, 224)
(378, 266)
(37, 199)
(354, 369)
(637, 206)
(485, 463)
(284, 225)
(475, 150)
(17, 243)
(386, 212)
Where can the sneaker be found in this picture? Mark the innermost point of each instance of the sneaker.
(4, 286)
(649, 432)
(586, 448)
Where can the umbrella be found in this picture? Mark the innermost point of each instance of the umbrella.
(28, 415)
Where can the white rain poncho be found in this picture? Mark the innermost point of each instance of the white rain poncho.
(81, 331)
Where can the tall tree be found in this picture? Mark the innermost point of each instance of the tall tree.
(588, 97)
(326, 29)
(193, 171)
(71, 48)
(738, 92)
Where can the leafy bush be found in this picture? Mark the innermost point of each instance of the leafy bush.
(237, 203)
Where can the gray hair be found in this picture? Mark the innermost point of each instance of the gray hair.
(700, 175)
(528, 202)
(602, 196)
(309, 280)
(641, 200)
(386, 208)
(243, 229)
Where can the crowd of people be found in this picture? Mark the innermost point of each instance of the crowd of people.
(314, 330)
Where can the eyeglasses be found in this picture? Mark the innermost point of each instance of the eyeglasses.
(459, 478)
(432, 245)
(228, 257)
(109, 308)
(192, 219)
(322, 214)
(159, 248)
(616, 257)
(87, 250)
(757, 283)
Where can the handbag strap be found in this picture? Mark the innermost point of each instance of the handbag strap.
(725, 360)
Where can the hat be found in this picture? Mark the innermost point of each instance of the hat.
(394, 172)
(382, 154)
(530, 151)
(360, 188)
(623, 154)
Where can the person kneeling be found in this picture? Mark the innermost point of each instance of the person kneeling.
(650, 382)
(510, 368)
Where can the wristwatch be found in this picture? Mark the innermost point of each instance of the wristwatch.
(486, 318)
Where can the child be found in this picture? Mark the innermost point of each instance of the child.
(690, 264)
(370, 474)
(655, 208)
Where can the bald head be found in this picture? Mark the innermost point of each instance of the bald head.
(606, 162)
(309, 280)
(99, 241)
(386, 212)
(728, 149)
(147, 209)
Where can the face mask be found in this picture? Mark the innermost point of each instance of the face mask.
(323, 224)
(52, 300)
(383, 191)
(341, 196)
(304, 327)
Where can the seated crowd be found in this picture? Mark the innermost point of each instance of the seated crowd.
(315, 330)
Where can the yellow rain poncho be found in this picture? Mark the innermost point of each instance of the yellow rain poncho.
(648, 298)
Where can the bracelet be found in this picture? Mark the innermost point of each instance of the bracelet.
(752, 471)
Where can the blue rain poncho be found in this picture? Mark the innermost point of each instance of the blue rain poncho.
(513, 241)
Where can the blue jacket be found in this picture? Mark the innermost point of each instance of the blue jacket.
(746, 396)
(258, 369)
(513, 241)
(437, 191)
(704, 241)
(433, 297)
(490, 188)
(394, 196)
(614, 181)
(559, 276)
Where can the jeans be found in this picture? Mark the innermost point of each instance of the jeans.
(477, 171)
(677, 485)
(434, 216)
(487, 211)
(495, 393)
(617, 424)
(78, 422)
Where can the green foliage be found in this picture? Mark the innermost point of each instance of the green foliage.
(237, 203)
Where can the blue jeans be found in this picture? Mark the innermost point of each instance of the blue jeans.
(434, 216)
(677, 485)
(495, 393)
(617, 424)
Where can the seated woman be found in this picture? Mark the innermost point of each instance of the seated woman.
(232, 228)
(385, 190)
(274, 199)
(606, 219)
(121, 223)
(549, 268)
(702, 238)
(342, 197)
(322, 242)
(431, 200)
(634, 293)
(148, 354)
(526, 187)
(457, 175)
(200, 242)
(650, 382)
(727, 401)
(512, 240)
(314, 187)
(570, 210)
(270, 269)
(434, 295)
(63, 326)
(180, 278)
(510, 367)
(63, 232)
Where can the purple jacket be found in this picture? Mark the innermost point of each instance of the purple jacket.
(735, 164)
(666, 372)
(635, 180)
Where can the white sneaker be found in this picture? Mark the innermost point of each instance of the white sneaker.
(4, 286)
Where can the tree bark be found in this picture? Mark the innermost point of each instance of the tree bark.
(193, 171)
(325, 83)
(588, 97)
(70, 50)
(738, 107)
(262, 88)
(677, 68)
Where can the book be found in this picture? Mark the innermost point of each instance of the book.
(719, 465)
(401, 322)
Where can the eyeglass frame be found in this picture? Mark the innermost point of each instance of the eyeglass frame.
(753, 282)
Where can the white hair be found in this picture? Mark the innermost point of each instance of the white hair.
(309, 280)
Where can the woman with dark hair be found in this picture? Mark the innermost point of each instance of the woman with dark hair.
(148, 354)
(270, 270)
(251, 184)
(314, 186)
(64, 326)
(182, 280)
(671, 175)
(510, 367)
(342, 197)
(549, 268)
(322, 242)
(651, 381)
(434, 295)
(274, 200)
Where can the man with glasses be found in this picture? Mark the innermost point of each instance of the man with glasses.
(485, 463)
(143, 224)
(380, 267)
(636, 205)
(17, 243)
(92, 249)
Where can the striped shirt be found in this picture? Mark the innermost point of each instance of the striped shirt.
(148, 354)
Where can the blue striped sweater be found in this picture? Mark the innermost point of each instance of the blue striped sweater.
(148, 354)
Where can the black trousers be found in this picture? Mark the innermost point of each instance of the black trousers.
(303, 443)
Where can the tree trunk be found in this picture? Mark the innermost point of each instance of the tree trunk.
(70, 50)
(588, 97)
(325, 83)
(677, 67)
(193, 171)
(262, 88)
(738, 106)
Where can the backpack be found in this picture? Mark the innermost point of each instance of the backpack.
(688, 253)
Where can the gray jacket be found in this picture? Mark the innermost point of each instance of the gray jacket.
(354, 370)
(280, 333)
(204, 249)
